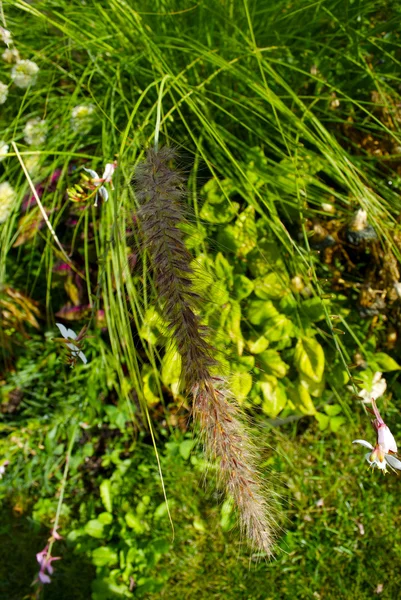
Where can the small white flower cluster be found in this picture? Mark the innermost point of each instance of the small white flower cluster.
(10, 55)
(5, 36)
(3, 92)
(3, 150)
(32, 164)
(7, 197)
(24, 72)
(35, 132)
(83, 118)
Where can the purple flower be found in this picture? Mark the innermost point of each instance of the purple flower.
(45, 562)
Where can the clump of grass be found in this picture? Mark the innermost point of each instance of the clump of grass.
(159, 189)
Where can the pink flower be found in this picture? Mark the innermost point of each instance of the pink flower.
(109, 172)
(45, 561)
(55, 535)
(382, 452)
(106, 178)
(69, 334)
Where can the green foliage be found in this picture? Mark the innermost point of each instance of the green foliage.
(287, 111)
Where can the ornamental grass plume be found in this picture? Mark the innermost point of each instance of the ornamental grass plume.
(160, 190)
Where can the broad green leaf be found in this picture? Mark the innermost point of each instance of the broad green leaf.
(106, 494)
(242, 364)
(241, 384)
(323, 420)
(223, 269)
(199, 525)
(315, 389)
(195, 234)
(313, 309)
(219, 213)
(288, 305)
(216, 191)
(278, 328)
(339, 376)
(171, 368)
(185, 448)
(104, 557)
(332, 409)
(94, 528)
(227, 515)
(336, 422)
(150, 389)
(257, 345)
(143, 505)
(264, 258)
(153, 328)
(274, 396)
(302, 399)
(161, 511)
(385, 363)
(106, 518)
(242, 287)
(233, 325)
(255, 166)
(309, 359)
(260, 311)
(270, 286)
(272, 363)
(135, 523)
(242, 235)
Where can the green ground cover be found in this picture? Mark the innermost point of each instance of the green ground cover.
(287, 121)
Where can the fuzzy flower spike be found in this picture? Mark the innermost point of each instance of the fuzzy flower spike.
(382, 453)
(160, 190)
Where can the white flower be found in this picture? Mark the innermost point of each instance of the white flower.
(5, 36)
(109, 172)
(35, 132)
(69, 334)
(377, 389)
(10, 55)
(24, 73)
(106, 178)
(7, 197)
(382, 452)
(83, 118)
(327, 207)
(3, 92)
(3, 468)
(32, 163)
(3, 150)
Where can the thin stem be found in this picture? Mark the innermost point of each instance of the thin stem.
(63, 484)
(42, 210)
(2, 15)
